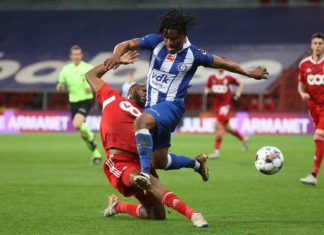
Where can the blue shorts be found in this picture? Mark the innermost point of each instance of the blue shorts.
(168, 115)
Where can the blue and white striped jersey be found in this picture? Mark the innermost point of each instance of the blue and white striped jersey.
(169, 74)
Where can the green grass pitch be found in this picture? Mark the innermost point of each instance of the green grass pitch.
(48, 187)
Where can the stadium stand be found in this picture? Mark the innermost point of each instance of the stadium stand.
(18, 94)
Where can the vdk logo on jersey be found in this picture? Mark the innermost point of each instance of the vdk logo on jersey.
(315, 79)
(161, 81)
(219, 89)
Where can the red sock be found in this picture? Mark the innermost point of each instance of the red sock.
(218, 142)
(171, 200)
(129, 208)
(319, 153)
(237, 135)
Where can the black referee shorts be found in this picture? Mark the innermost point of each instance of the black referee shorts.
(83, 107)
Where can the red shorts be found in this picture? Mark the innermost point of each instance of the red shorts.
(117, 169)
(317, 115)
(223, 114)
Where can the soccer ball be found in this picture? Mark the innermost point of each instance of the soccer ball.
(269, 160)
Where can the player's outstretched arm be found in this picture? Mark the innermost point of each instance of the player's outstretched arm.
(95, 74)
(121, 49)
(229, 65)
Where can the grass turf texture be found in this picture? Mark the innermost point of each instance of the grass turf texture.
(48, 187)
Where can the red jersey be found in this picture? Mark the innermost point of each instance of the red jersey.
(117, 120)
(311, 74)
(220, 87)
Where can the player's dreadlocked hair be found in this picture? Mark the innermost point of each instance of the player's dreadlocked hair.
(177, 20)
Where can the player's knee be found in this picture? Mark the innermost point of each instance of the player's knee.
(220, 129)
(77, 124)
(83, 136)
(145, 121)
(159, 161)
(158, 164)
(220, 133)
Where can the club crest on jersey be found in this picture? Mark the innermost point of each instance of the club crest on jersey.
(182, 67)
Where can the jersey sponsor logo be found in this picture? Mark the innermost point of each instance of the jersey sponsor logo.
(161, 81)
(219, 89)
(182, 67)
(170, 57)
(315, 79)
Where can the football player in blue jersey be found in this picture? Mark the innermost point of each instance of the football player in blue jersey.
(174, 61)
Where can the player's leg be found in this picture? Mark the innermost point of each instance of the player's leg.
(318, 157)
(79, 112)
(123, 177)
(119, 175)
(151, 204)
(319, 151)
(238, 135)
(219, 134)
(116, 206)
(163, 159)
(318, 118)
(149, 207)
(87, 136)
(167, 116)
(144, 126)
(160, 118)
(171, 200)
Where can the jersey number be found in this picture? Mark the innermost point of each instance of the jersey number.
(128, 107)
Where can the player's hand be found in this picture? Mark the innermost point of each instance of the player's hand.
(129, 57)
(305, 96)
(259, 73)
(236, 97)
(207, 91)
(112, 63)
(60, 87)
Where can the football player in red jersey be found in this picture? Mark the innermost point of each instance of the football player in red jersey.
(219, 87)
(311, 90)
(122, 168)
